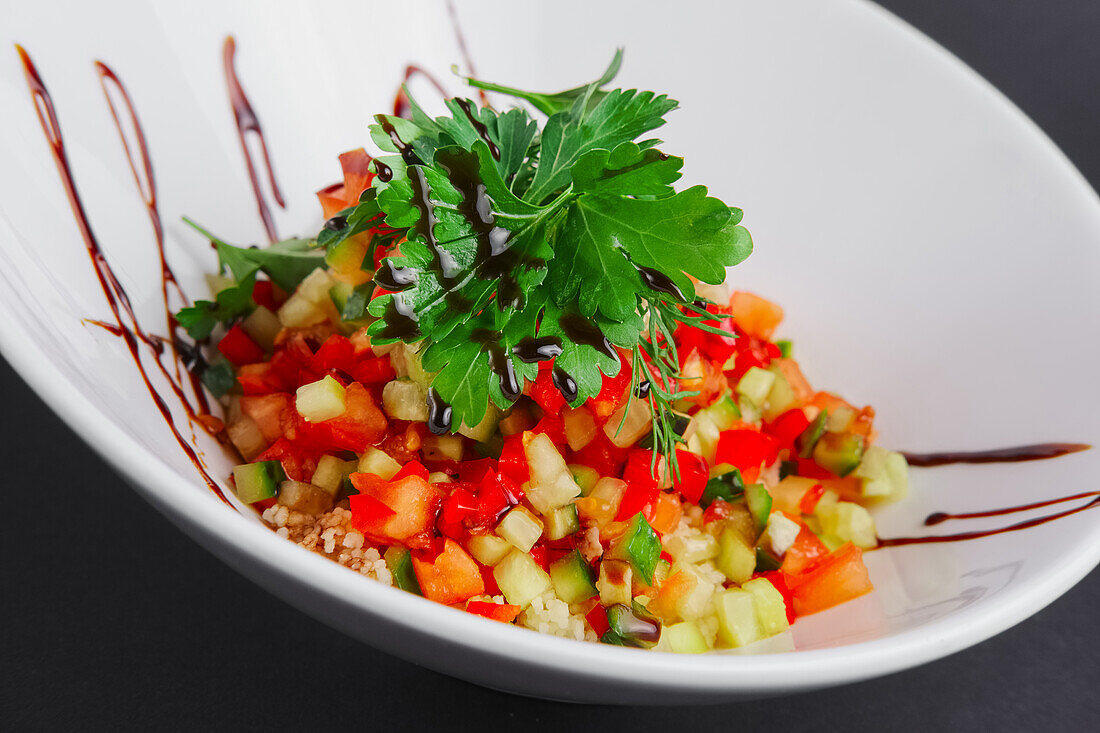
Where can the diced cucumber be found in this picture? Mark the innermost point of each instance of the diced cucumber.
(634, 625)
(585, 477)
(562, 522)
(580, 427)
(304, 497)
(399, 562)
(840, 419)
(750, 412)
(330, 473)
(723, 412)
(521, 528)
(766, 560)
(737, 621)
(615, 582)
(488, 549)
(520, 578)
(785, 348)
(839, 453)
(809, 437)
(848, 522)
(258, 481)
(759, 502)
(484, 429)
(755, 385)
(695, 603)
(885, 474)
(572, 578)
(771, 610)
(552, 483)
(781, 397)
(262, 326)
(443, 447)
(638, 423)
(639, 546)
(376, 461)
(403, 399)
(728, 487)
(299, 312)
(736, 558)
(684, 638)
(351, 301)
(321, 400)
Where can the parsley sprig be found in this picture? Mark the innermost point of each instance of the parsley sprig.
(572, 233)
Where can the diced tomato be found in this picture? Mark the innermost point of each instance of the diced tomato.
(597, 619)
(839, 577)
(808, 468)
(369, 510)
(260, 379)
(414, 501)
(602, 455)
(759, 317)
(702, 376)
(639, 469)
(272, 413)
(490, 581)
(718, 509)
(666, 513)
(336, 353)
(239, 348)
(411, 468)
(694, 474)
(612, 394)
(544, 393)
(263, 293)
(452, 578)
(357, 172)
(374, 370)
(297, 463)
(637, 498)
(458, 507)
(809, 500)
(746, 448)
(513, 459)
(787, 427)
(362, 424)
(806, 551)
(779, 582)
(668, 598)
(496, 611)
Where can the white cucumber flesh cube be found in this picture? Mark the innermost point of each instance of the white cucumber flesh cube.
(771, 611)
(329, 474)
(520, 528)
(755, 385)
(848, 522)
(520, 578)
(684, 638)
(737, 622)
(405, 400)
(297, 312)
(488, 549)
(321, 400)
(580, 427)
(262, 326)
(552, 483)
(615, 582)
(378, 462)
(637, 424)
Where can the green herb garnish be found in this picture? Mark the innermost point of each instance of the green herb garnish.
(571, 235)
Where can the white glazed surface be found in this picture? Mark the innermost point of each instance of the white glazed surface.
(935, 253)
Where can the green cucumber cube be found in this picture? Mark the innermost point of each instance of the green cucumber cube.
(759, 502)
(755, 385)
(572, 578)
(737, 621)
(258, 481)
(684, 638)
(839, 453)
(399, 562)
(562, 522)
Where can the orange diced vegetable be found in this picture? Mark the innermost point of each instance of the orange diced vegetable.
(757, 316)
(838, 578)
(452, 578)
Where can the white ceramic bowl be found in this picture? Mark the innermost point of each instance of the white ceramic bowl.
(936, 254)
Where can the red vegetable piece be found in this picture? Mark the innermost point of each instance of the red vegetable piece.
(746, 448)
(496, 611)
(836, 579)
(336, 353)
(804, 554)
(597, 619)
(239, 348)
(414, 502)
(779, 581)
(476, 470)
(263, 293)
(544, 393)
(788, 426)
(362, 424)
(411, 468)
(694, 474)
(552, 426)
(513, 460)
(808, 468)
(809, 500)
(374, 370)
(602, 455)
(453, 577)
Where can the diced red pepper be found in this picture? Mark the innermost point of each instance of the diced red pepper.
(809, 500)
(597, 619)
(539, 554)
(496, 611)
(694, 474)
(788, 426)
(336, 353)
(369, 510)
(746, 448)
(639, 469)
(544, 393)
(612, 394)
(808, 468)
(602, 455)
(360, 426)
(374, 370)
(475, 470)
(641, 491)
(260, 379)
(552, 426)
(263, 293)
(239, 348)
(411, 468)
(513, 460)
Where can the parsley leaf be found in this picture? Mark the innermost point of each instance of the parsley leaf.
(606, 238)
(549, 103)
(200, 318)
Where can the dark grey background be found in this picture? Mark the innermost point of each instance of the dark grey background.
(110, 617)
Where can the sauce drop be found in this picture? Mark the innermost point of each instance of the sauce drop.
(439, 413)
(1036, 452)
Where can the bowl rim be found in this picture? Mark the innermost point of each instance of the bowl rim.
(702, 675)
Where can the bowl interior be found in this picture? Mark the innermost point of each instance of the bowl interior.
(935, 254)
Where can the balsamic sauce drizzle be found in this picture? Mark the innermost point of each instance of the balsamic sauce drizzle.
(583, 331)
(479, 126)
(1039, 451)
(248, 122)
(532, 349)
(660, 282)
(439, 413)
(401, 100)
(117, 299)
